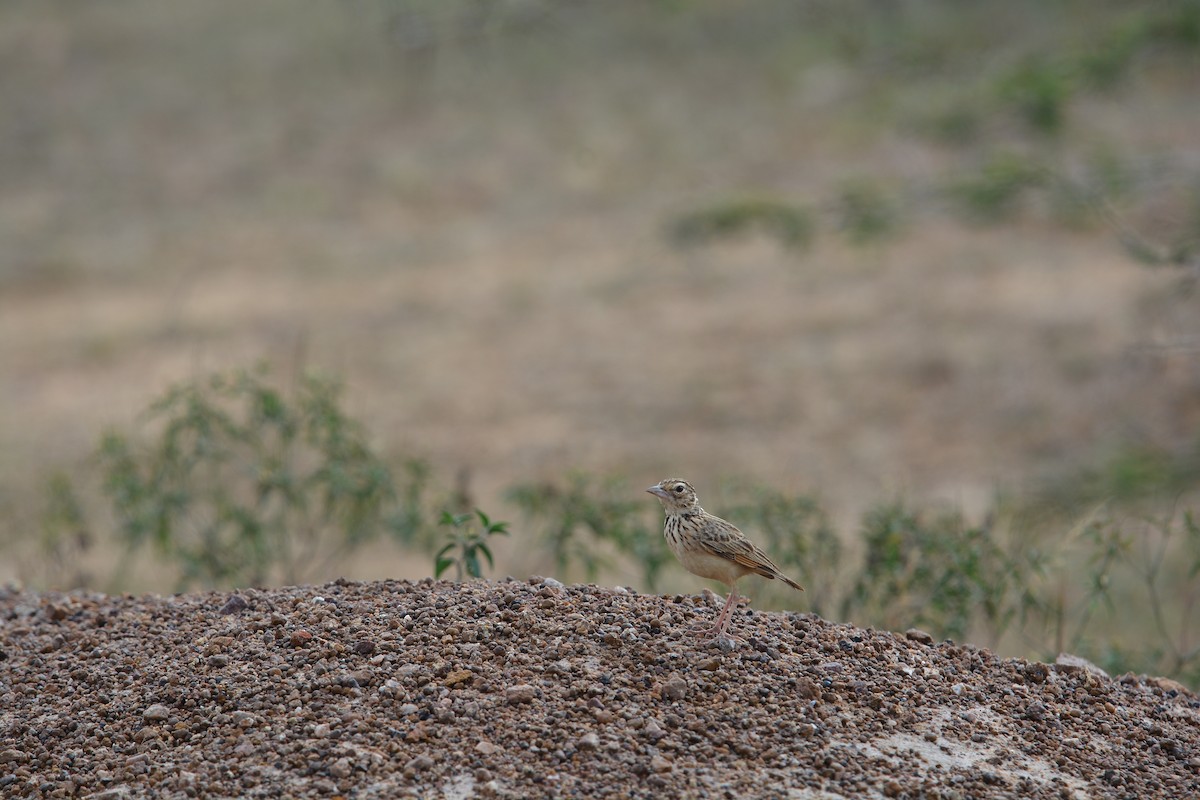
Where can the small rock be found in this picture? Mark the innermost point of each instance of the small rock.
(521, 693)
(364, 647)
(458, 676)
(156, 713)
(1168, 685)
(918, 635)
(807, 688)
(832, 666)
(342, 768)
(589, 741)
(486, 749)
(958, 688)
(300, 638)
(234, 605)
(675, 688)
(408, 709)
(244, 719)
(322, 730)
(552, 583)
(660, 764)
(1069, 663)
(419, 764)
(709, 664)
(653, 731)
(13, 757)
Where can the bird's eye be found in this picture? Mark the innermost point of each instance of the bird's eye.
(678, 488)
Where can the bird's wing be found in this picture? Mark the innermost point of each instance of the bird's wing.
(724, 540)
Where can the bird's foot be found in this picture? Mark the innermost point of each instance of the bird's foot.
(715, 634)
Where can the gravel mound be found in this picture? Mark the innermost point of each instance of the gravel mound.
(536, 689)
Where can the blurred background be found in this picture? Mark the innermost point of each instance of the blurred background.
(928, 259)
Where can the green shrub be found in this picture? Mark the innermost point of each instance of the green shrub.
(993, 194)
(866, 213)
(934, 571)
(791, 225)
(1038, 90)
(244, 483)
(589, 520)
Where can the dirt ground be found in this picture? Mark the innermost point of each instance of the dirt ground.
(532, 688)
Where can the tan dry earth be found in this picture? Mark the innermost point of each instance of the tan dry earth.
(533, 689)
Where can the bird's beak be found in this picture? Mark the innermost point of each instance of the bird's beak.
(658, 491)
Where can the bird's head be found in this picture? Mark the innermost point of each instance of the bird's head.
(675, 494)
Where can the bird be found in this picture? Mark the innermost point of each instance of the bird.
(710, 547)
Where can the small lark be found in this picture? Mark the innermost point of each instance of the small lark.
(710, 547)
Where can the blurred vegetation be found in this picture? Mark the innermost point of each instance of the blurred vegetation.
(790, 225)
(240, 482)
(235, 482)
(1029, 89)
(587, 523)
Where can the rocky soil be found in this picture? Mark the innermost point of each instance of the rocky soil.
(534, 689)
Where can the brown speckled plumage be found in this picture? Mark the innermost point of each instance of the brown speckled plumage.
(709, 546)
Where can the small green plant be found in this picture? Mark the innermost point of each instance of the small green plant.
(245, 483)
(791, 225)
(467, 543)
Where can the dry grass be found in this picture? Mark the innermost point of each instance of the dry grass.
(471, 233)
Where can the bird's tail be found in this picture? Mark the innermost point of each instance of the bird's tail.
(789, 581)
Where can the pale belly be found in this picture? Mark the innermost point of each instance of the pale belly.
(709, 566)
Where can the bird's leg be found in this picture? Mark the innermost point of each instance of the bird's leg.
(726, 613)
(723, 618)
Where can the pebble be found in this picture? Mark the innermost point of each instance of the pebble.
(419, 764)
(156, 713)
(234, 605)
(918, 635)
(589, 741)
(675, 688)
(521, 693)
